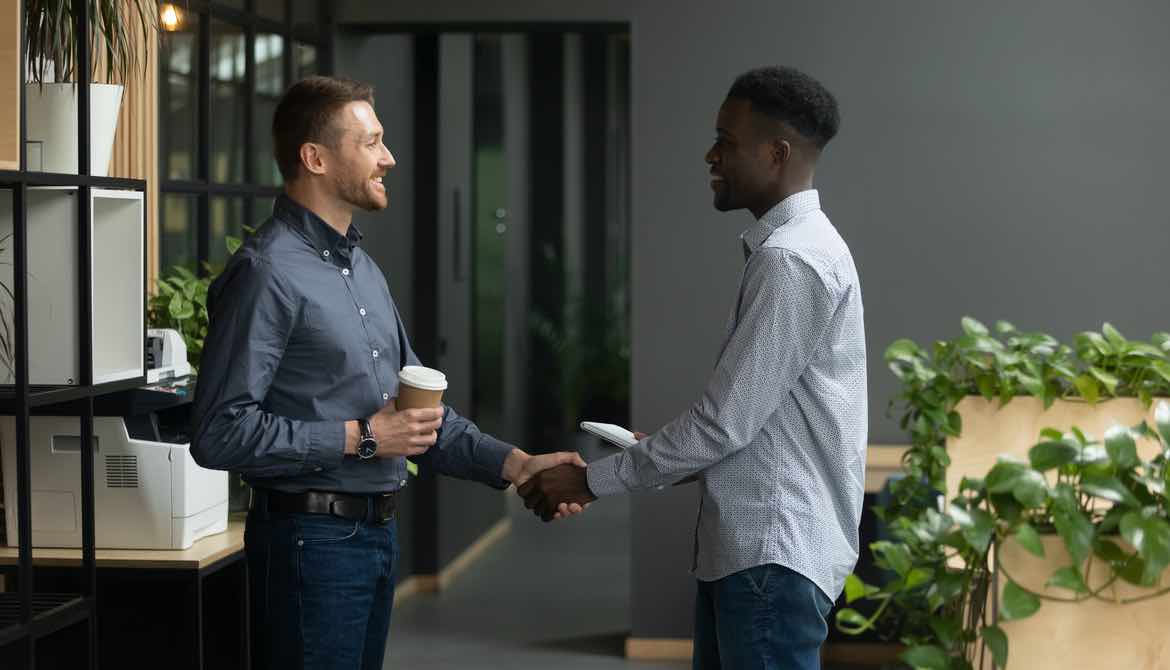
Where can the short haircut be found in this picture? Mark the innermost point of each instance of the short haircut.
(789, 95)
(306, 114)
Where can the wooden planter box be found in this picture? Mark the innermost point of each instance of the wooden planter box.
(990, 431)
(1063, 636)
(1090, 635)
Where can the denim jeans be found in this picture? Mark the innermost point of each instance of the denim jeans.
(763, 618)
(321, 589)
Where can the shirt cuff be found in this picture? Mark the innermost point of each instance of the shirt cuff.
(490, 457)
(603, 477)
(326, 446)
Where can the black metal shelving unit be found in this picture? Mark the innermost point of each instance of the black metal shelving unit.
(27, 616)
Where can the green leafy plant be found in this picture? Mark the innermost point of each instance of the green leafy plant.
(1109, 507)
(180, 302)
(116, 29)
(1003, 365)
(935, 604)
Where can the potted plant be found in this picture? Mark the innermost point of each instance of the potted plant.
(1103, 504)
(119, 31)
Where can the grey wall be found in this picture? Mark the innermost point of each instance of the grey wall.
(1003, 162)
(386, 61)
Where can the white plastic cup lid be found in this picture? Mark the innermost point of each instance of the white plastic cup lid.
(419, 377)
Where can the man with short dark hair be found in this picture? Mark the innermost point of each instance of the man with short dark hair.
(300, 366)
(778, 438)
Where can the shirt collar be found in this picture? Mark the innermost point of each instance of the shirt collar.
(781, 213)
(312, 228)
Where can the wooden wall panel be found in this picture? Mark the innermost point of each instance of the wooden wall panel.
(10, 88)
(135, 153)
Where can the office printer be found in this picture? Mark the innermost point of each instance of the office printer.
(148, 491)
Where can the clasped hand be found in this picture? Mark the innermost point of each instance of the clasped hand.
(564, 486)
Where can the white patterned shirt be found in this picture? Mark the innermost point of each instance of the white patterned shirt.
(778, 437)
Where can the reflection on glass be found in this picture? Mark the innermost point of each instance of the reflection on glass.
(271, 9)
(306, 16)
(177, 241)
(227, 102)
(305, 61)
(269, 87)
(226, 216)
(491, 202)
(179, 99)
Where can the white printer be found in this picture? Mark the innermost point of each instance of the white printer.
(148, 491)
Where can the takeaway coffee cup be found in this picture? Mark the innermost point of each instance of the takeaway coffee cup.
(420, 387)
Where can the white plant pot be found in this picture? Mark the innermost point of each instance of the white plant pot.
(52, 121)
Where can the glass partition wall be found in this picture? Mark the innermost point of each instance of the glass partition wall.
(222, 68)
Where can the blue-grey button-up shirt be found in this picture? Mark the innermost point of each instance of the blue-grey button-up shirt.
(303, 337)
(778, 436)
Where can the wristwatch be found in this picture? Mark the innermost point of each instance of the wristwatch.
(367, 446)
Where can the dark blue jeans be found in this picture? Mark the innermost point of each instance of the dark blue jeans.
(321, 589)
(763, 618)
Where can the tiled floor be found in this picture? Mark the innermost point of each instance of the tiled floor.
(547, 596)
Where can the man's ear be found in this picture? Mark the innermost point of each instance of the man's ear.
(781, 150)
(313, 158)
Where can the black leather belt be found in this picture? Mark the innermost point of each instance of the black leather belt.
(378, 508)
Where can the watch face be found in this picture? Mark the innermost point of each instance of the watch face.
(367, 448)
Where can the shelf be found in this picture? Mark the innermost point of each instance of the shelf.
(51, 613)
(117, 283)
(64, 400)
(10, 178)
(203, 554)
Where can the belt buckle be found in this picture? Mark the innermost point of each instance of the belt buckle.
(338, 508)
(385, 508)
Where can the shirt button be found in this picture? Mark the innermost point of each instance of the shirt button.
(375, 353)
(385, 396)
(345, 271)
(325, 253)
(362, 311)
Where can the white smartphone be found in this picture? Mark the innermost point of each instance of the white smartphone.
(614, 434)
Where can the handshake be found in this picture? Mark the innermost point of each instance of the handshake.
(553, 486)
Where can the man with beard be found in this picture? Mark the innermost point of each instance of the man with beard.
(296, 391)
(778, 437)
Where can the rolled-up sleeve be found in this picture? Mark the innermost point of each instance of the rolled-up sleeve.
(251, 319)
(784, 311)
